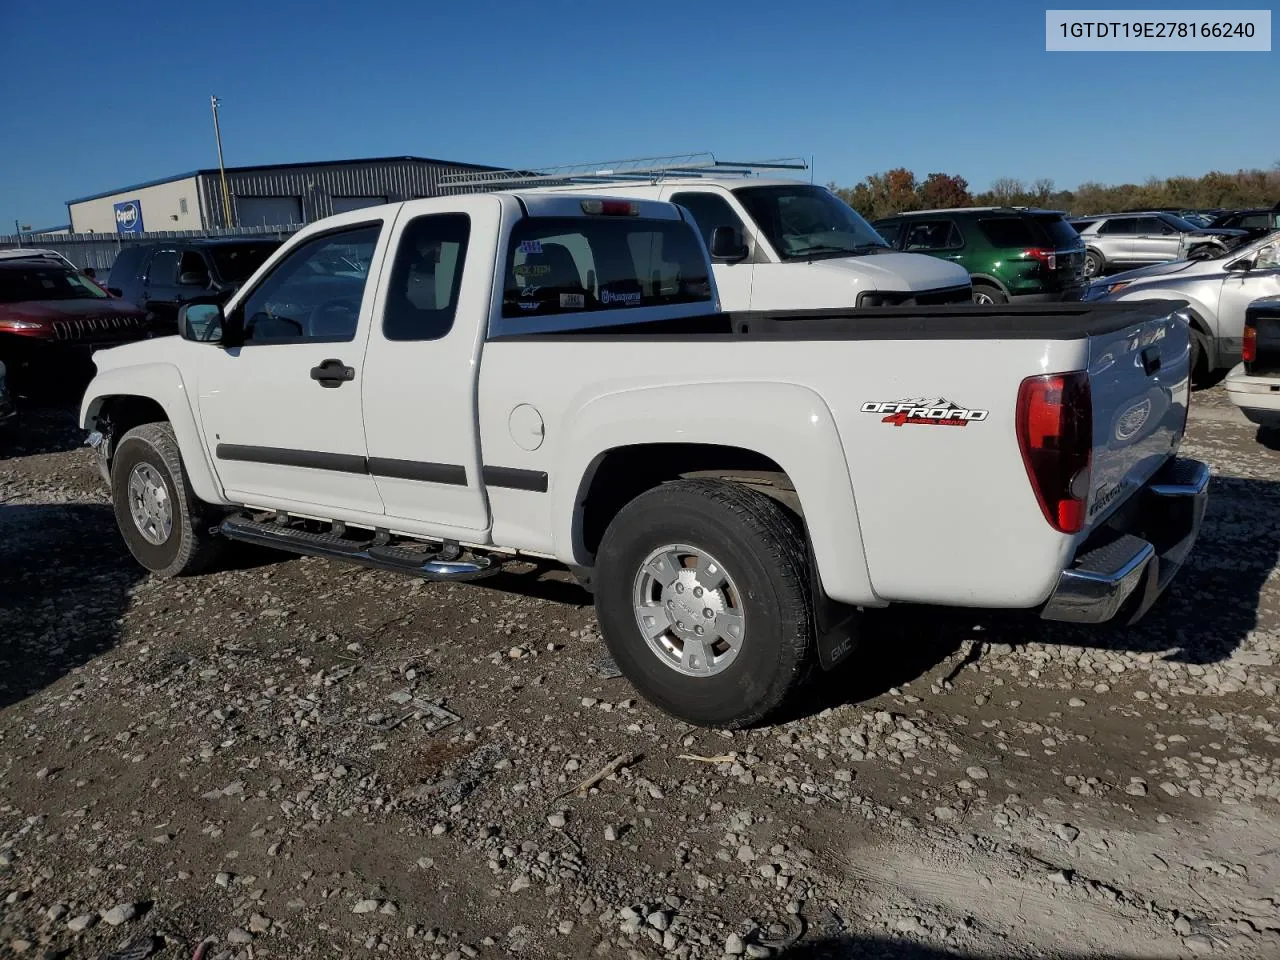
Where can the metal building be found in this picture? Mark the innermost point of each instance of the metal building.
(275, 195)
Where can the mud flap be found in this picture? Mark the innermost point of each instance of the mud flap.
(835, 624)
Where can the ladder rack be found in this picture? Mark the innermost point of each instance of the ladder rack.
(651, 169)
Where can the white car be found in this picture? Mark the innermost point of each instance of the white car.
(550, 375)
(1253, 385)
(1217, 291)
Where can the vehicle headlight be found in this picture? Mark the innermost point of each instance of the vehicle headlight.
(1117, 287)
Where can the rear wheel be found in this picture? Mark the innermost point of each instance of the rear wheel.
(1093, 264)
(702, 593)
(986, 294)
(165, 527)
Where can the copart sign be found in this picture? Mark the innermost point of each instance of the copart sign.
(128, 216)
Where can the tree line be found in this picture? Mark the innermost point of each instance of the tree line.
(897, 191)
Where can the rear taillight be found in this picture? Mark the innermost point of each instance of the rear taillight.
(1249, 348)
(1048, 257)
(1055, 434)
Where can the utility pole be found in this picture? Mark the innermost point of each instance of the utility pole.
(214, 103)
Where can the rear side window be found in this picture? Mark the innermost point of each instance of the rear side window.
(1010, 232)
(1123, 226)
(573, 264)
(422, 295)
(163, 269)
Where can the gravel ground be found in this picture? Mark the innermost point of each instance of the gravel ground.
(296, 758)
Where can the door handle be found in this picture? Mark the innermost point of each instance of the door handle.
(332, 373)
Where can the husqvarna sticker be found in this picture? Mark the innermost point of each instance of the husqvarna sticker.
(935, 412)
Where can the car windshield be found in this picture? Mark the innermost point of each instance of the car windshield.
(804, 222)
(39, 282)
(236, 263)
(1177, 222)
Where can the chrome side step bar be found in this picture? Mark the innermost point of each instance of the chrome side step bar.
(447, 561)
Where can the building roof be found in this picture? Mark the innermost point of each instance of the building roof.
(254, 168)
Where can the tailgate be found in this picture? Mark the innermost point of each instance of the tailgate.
(1141, 385)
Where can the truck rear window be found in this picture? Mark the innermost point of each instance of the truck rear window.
(575, 264)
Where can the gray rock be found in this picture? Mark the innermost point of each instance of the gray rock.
(1066, 832)
(734, 946)
(239, 936)
(365, 906)
(556, 820)
(82, 922)
(119, 914)
(259, 924)
(659, 920)
(610, 833)
(757, 951)
(1183, 926)
(976, 773)
(56, 912)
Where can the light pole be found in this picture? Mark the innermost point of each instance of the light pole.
(214, 103)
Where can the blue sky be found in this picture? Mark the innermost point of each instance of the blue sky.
(96, 99)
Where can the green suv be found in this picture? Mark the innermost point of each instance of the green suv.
(1012, 253)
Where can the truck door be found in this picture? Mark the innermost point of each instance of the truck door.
(423, 357)
(282, 414)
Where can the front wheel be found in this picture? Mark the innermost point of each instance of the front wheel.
(988, 295)
(165, 527)
(1093, 264)
(702, 593)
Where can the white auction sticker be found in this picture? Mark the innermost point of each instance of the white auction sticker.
(1155, 31)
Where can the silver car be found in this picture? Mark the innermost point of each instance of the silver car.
(1217, 290)
(1136, 239)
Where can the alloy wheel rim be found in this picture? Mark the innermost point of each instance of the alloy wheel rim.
(149, 504)
(689, 610)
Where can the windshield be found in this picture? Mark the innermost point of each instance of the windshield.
(235, 264)
(803, 222)
(1182, 225)
(46, 283)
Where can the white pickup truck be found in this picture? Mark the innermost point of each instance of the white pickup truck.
(439, 385)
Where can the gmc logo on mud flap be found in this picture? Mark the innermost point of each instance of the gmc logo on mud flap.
(937, 412)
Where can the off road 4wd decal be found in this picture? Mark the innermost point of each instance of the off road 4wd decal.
(936, 412)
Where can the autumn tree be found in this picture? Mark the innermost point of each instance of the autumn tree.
(942, 190)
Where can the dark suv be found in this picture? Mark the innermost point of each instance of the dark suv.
(1011, 253)
(161, 277)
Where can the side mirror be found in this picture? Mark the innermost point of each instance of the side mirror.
(727, 245)
(202, 322)
(1240, 266)
(193, 278)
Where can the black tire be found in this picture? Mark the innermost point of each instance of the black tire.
(1093, 264)
(189, 547)
(1197, 360)
(985, 293)
(762, 548)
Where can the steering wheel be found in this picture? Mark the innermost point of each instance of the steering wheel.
(334, 317)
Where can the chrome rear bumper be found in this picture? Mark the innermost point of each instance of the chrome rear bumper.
(1122, 568)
